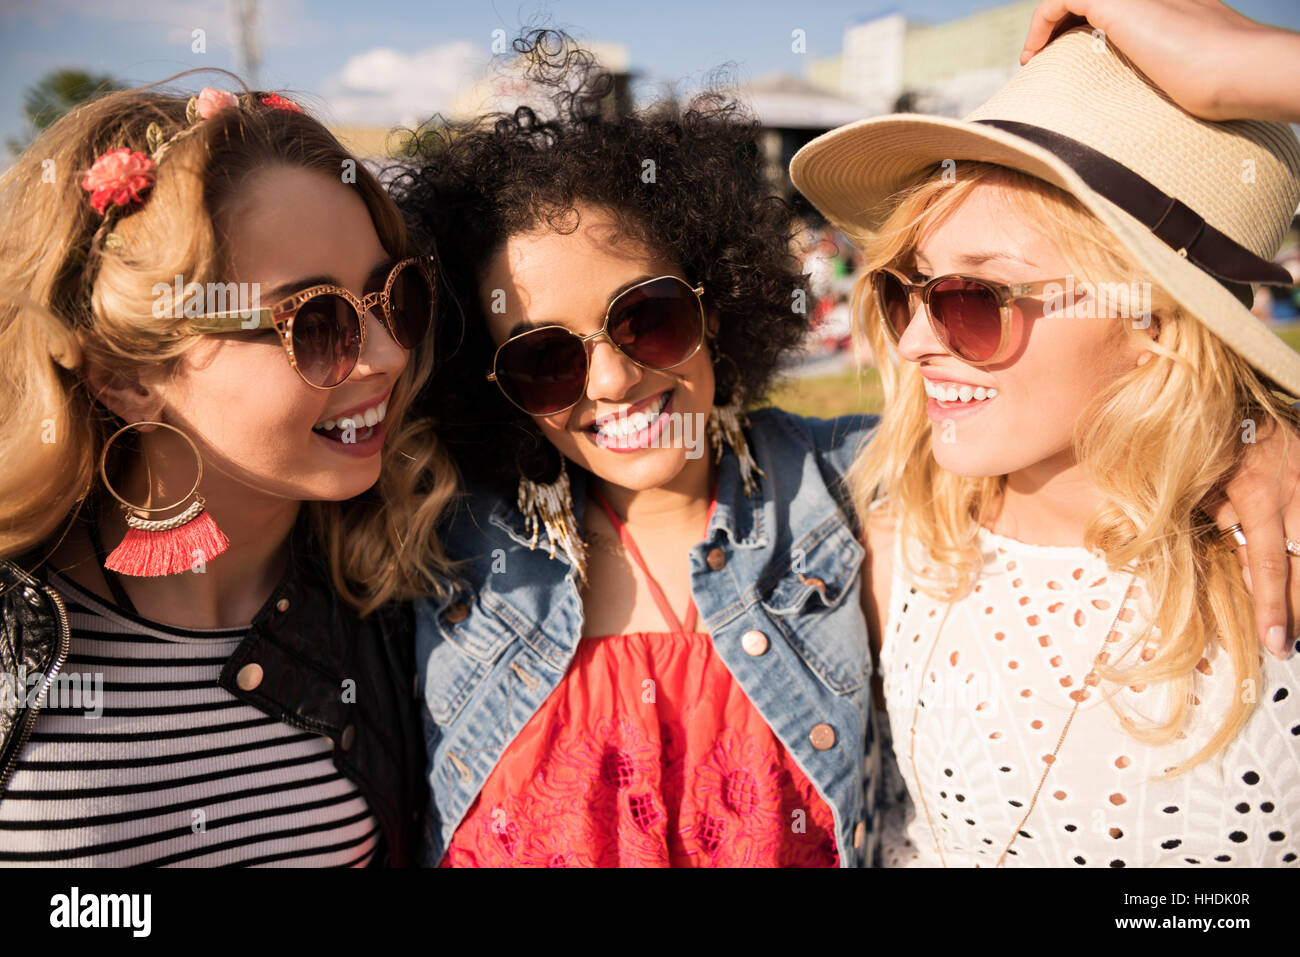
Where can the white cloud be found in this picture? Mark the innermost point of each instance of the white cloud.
(383, 86)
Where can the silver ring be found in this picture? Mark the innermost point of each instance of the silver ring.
(1234, 534)
(1292, 547)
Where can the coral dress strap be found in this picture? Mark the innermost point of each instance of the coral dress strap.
(661, 600)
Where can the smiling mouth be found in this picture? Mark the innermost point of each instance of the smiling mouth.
(959, 395)
(634, 431)
(362, 423)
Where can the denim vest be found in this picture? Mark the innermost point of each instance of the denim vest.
(490, 653)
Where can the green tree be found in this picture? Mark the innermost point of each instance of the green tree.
(55, 94)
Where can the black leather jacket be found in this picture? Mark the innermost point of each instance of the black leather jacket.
(308, 642)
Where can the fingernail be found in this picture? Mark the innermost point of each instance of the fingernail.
(1245, 573)
(1276, 641)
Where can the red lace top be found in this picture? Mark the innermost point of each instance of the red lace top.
(647, 754)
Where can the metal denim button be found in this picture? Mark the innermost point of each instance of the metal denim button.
(249, 677)
(822, 736)
(349, 735)
(457, 613)
(857, 834)
(754, 643)
(282, 605)
(716, 559)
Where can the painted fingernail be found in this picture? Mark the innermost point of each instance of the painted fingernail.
(1276, 641)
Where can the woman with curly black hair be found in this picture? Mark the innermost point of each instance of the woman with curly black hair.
(621, 290)
(624, 289)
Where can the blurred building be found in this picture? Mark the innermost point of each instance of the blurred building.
(793, 112)
(889, 63)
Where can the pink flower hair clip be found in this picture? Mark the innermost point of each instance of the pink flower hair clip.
(209, 103)
(118, 177)
(122, 176)
(277, 102)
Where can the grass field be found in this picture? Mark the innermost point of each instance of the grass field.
(828, 396)
(847, 392)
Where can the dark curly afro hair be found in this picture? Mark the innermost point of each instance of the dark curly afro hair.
(466, 189)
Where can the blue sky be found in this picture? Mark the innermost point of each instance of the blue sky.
(348, 55)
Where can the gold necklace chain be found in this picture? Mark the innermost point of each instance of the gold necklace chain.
(1091, 677)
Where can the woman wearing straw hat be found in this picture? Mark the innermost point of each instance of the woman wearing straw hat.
(1069, 660)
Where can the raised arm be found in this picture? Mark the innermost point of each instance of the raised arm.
(1213, 61)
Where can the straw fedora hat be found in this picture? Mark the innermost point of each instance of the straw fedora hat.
(1202, 207)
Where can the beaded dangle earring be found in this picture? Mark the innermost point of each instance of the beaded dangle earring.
(726, 426)
(168, 546)
(550, 508)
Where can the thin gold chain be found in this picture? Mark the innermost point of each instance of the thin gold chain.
(916, 710)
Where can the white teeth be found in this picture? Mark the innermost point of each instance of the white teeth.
(367, 419)
(620, 427)
(954, 393)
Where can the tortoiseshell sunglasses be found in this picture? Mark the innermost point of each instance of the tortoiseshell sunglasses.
(322, 328)
(970, 317)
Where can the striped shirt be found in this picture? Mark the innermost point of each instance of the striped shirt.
(147, 760)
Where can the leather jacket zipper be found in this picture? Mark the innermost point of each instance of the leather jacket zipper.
(65, 644)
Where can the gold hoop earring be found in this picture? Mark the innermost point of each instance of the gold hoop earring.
(156, 547)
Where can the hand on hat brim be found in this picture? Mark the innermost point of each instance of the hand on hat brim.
(1197, 51)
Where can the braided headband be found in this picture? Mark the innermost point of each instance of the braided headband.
(120, 177)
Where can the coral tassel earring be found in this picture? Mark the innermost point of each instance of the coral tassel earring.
(151, 552)
(168, 546)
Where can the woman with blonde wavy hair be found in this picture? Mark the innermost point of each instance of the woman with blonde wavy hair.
(213, 330)
(1068, 651)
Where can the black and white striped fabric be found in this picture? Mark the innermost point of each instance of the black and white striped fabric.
(175, 770)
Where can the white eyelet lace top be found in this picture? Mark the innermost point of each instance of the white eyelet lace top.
(996, 691)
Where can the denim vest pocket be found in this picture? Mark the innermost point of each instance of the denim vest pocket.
(461, 659)
(806, 600)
